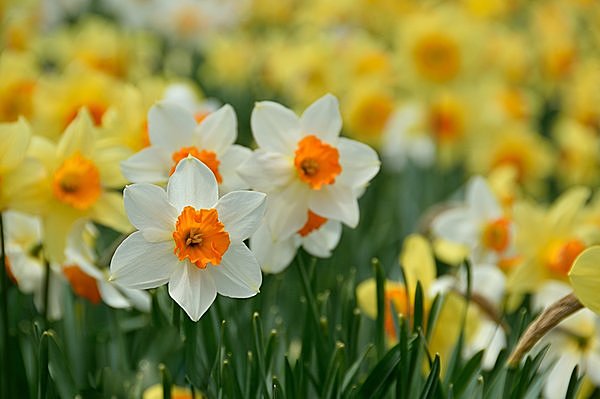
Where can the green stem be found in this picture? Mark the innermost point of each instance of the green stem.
(46, 293)
(4, 300)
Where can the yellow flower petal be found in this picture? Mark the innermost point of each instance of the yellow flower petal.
(417, 260)
(585, 278)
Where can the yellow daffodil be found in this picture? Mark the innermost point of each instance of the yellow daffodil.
(81, 171)
(59, 98)
(177, 392)
(549, 240)
(17, 86)
(578, 162)
(515, 145)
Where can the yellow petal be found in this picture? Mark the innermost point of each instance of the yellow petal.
(14, 140)
(366, 295)
(564, 211)
(110, 211)
(417, 260)
(78, 137)
(449, 252)
(585, 278)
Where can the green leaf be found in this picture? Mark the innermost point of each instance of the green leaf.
(432, 383)
(381, 376)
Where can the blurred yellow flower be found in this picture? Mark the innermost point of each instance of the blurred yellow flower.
(177, 392)
(17, 86)
(81, 170)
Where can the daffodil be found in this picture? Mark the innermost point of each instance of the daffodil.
(177, 392)
(480, 224)
(318, 237)
(82, 173)
(90, 280)
(17, 85)
(19, 173)
(190, 238)
(303, 165)
(549, 240)
(26, 264)
(175, 134)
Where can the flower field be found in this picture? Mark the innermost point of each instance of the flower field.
(299, 198)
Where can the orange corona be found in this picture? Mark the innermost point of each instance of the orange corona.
(83, 285)
(77, 182)
(200, 237)
(317, 163)
(314, 222)
(496, 235)
(562, 254)
(209, 158)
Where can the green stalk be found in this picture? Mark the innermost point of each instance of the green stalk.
(46, 293)
(4, 301)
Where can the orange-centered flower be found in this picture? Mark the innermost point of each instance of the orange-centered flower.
(77, 182)
(314, 222)
(200, 237)
(437, 57)
(317, 163)
(83, 285)
(562, 254)
(496, 234)
(209, 158)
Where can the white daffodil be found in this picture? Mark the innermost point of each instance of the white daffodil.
(175, 133)
(90, 281)
(303, 165)
(318, 237)
(190, 238)
(405, 138)
(574, 342)
(480, 224)
(26, 266)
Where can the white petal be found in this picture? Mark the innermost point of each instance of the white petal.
(481, 200)
(273, 256)
(593, 366)
(218, 131)
(558, 379)
(150, 165)
(238, 275)
(149, 211)
(141, 264)
(287, 210)
(193, 184)
(111, 296)
(335, 202)
(231, 159)
(170, 126)
(359, 163)
(323, 119)
(456, 225)
(137, 298)
(323, 240)
(489, 282)
(193, 289)
(241, 212)
(267, 171)
(275, 127)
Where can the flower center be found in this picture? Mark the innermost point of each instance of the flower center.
(200, 237)
(496, 234)
(314, 222)
(446, 119)
(209, 158)
(317, 163)
(561, 255)
(77, 182)
(83, 285)
(437, 57)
